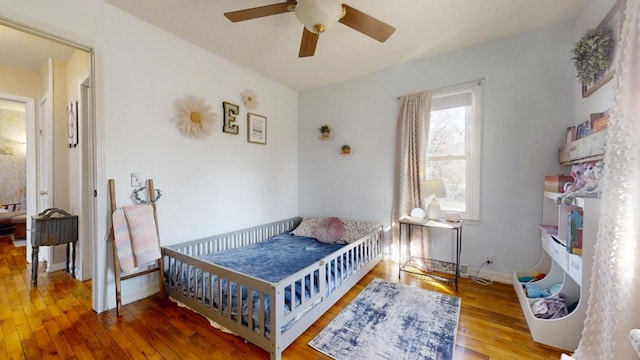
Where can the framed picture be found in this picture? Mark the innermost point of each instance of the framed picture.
(72, 124)
(571, 134)
(612, 21)
(257, 125)
(583, 130)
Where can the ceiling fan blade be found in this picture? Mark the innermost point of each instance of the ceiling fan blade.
(366, 24)
(261, 11)
(308, 44)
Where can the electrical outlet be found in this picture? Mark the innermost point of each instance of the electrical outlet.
(464, 270)
(489, 258)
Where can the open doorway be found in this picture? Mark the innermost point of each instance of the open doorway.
(13, 162)
(51, 78)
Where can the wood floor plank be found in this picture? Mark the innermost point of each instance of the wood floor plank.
(55, 321)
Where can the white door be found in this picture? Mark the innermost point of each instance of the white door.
(87, 184)
(44, 164)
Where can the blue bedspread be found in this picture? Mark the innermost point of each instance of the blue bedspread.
(273, 259)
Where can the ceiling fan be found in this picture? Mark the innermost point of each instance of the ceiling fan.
(318, 16)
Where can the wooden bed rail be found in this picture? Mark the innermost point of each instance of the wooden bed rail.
(235, 239)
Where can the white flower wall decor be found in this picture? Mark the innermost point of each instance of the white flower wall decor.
(195, 118)
(249, 99)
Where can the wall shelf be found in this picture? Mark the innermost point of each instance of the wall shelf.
(589, 148)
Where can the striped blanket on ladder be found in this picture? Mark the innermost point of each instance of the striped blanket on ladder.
(134, 230)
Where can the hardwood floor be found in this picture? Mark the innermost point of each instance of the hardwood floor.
(55, 321)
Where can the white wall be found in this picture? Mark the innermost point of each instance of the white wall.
(19, 81)
(527, 105)
(209, 186)
(60, 198)
(78, 68)
(60, 168)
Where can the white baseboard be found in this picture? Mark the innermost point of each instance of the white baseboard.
(490, 275)
(135, 294)
(56, 267)
(139, 294)
(468, 272)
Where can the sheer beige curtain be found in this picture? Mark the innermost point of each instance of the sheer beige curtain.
(411, 151)
(614, 301)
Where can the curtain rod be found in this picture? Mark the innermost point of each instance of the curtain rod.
(479, 81)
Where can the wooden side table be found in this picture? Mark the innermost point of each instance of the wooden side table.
(54, 227)
(408, 222)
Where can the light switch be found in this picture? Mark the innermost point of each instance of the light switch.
(136, 180)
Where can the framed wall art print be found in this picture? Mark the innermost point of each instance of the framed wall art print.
(257, 129)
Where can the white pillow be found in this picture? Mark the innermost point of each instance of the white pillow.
(307, 227)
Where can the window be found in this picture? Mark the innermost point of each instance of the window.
(453, 152)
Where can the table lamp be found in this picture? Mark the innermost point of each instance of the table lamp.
(434, 189)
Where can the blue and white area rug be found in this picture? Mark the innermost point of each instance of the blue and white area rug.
(392, 321)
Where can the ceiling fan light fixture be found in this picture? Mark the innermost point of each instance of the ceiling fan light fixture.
(318, 16)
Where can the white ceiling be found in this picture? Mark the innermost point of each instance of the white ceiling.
(269, 45)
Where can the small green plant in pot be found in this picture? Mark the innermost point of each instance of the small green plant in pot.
(346, 149)
(325, 131)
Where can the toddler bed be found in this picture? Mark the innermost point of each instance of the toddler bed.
(228, 278)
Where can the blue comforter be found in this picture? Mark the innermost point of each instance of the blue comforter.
(271, 260)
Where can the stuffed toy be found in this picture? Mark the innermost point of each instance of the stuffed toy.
(586, 182)
(591, 176)
(578, 182)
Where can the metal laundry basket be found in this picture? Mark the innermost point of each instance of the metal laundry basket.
(53, 227)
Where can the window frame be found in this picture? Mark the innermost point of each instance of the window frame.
(473, 122)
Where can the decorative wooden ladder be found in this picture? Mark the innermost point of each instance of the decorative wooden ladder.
(116, 262)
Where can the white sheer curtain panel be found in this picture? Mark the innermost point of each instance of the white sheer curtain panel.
(411, 152)
(614, 301)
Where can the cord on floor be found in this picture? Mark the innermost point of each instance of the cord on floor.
(479, 280)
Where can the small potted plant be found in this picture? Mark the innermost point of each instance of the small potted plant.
(346, 149)
(325, 132)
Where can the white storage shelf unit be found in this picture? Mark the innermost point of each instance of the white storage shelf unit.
(573, 272)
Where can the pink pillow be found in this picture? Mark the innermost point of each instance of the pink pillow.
(329, 230)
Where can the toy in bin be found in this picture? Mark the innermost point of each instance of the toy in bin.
(550, 308)
(534, 277)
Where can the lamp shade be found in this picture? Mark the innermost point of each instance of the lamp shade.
(318, 15)
(433, 188)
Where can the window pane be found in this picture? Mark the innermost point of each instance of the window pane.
(454, 175)
(446, 132)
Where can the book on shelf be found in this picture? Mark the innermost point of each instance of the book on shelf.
(599, 121)
(575, 232)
